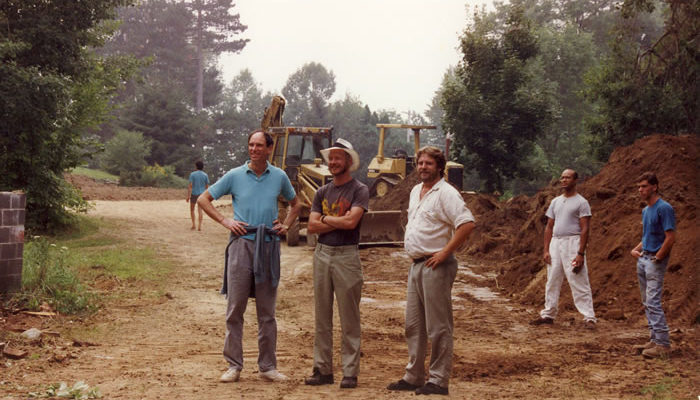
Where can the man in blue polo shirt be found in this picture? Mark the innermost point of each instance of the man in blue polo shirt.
(252, 256)
(199, 182)
(652, 253)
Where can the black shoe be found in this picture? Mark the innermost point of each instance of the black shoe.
(542, 321)
(431, 388)
(348, 382)
(319, 379)
(402, 385)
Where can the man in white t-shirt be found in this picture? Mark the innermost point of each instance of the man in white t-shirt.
(438, 224)
(565, 239)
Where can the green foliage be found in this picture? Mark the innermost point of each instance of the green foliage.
(308, 91)
(126, 152)
(80, 391)
(648, 84)
(494, 104)
(53, 88)
(47, 278)
(155, 176)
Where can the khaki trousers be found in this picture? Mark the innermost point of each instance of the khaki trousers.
(240, 278)
(429, 317)
(337, 269)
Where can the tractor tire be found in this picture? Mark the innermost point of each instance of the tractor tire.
(292, 237)
(382, 187)
(311, 239)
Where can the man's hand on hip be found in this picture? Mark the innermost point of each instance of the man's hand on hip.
(234, 226)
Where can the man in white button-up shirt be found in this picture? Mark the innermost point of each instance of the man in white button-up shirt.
(438, 223)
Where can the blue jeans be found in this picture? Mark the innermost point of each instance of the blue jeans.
(651, 285)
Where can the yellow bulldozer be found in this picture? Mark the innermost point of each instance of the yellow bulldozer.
(387, 172)
(297, 151)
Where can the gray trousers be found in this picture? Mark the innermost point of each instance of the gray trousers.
(239, 281)
(337, 269)
(429, 317)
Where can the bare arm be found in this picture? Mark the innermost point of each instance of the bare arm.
(316, 226)
(547, 239)
(294, 210)
(584, 223)
(189, 192)
(461, 235)
(665, 249)
(204, 202)
(637, 251)
(347, 221)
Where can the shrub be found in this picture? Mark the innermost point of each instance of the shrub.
(154, 175)
(47, 278)
(126, 152)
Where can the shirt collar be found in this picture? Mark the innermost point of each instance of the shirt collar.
(249, 170)
(435, 187)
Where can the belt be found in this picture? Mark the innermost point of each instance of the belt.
(421, 259)
(648, 253)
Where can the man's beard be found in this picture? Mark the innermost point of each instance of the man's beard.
(431, 176)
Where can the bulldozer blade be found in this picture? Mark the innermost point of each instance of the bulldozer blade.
(381, 228)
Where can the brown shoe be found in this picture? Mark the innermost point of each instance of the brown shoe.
(590, 325)
(431, 388)
(318, 379)
(402, 385)
(542, 321)
(658, 351)
(348, 382)
(640, 348)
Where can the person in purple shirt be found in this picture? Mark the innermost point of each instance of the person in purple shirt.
(652, 254)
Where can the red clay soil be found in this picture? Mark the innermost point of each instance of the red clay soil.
(509, 234)
(102, 190)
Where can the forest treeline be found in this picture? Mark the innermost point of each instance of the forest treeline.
(124, 85)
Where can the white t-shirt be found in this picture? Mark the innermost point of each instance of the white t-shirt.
(433, 219)
(566, 212)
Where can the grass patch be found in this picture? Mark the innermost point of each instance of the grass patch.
(95, 174)
(67, 271)
(660, 391)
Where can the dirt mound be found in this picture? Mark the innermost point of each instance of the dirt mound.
(511, 233)
(92, 189)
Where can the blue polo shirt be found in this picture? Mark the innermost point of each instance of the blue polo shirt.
(199, 181)
(254, 197)
(656, 220)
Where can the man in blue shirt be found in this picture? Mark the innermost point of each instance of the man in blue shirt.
(652, 253)
(199, 182)
(252, 256)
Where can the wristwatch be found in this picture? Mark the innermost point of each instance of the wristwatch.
(581, 253)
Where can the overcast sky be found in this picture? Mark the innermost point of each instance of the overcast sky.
(391, 54)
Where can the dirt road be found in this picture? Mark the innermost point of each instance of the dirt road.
(169, 347)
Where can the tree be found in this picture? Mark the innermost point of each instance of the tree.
(648, 84)
(126, 152)
(215, 32)
(494, 106)
(53, 88)
(308, 91)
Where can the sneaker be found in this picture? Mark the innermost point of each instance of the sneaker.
(348, 382)
(318, 379)
(402, 385)
(431, 388)
(640, 348)
(273, 375)
(542, 321)
(658, 351)
(590, 325)
(231, 375)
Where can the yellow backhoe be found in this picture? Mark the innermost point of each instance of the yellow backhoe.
(387, 172)
(297, 151)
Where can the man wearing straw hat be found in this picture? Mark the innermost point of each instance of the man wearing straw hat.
(336, 214)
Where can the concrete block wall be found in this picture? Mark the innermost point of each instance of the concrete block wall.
(12, 212)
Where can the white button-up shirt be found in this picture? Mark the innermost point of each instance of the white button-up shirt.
(433, 219)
